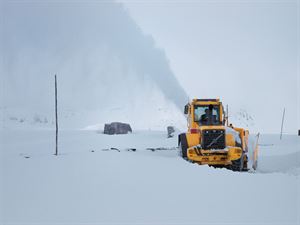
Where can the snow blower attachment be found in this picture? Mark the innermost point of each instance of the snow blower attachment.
(211, 141)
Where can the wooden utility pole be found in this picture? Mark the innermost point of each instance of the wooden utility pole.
(282, 123)
(56, 121)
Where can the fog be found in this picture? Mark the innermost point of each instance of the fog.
(101, 57)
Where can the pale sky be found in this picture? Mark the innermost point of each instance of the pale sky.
(245, 52)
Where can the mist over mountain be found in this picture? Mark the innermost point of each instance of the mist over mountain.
(107, 68)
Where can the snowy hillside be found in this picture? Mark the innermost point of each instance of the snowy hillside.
(241, 118)
(107, 69)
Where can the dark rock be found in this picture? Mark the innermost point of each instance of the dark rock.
(117, 128)
(116, 149)
(171, 131)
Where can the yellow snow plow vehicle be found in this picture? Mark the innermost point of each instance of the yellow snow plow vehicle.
(211, 141)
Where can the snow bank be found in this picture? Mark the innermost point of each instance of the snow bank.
(279, 155)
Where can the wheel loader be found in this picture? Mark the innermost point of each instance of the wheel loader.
(210, 140)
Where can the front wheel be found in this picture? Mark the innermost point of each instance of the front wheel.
(239, 164)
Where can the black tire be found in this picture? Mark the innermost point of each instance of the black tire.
(237, 165)
(182, 146)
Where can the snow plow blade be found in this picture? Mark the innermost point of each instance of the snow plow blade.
(255, 153)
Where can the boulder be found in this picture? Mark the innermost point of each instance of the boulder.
(171, 131)
(117, 128)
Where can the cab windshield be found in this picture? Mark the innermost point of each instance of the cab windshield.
(207, 114)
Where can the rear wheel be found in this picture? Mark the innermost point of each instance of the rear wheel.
(182, 146)
(182, 150)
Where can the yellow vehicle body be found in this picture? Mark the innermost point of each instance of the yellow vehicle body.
(209, 142)
(220, 157)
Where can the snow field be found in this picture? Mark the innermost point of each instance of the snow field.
(86, 185)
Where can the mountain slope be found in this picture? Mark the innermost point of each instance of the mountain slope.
(102, 59)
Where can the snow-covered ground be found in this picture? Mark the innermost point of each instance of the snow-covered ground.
(88, 184)
(109, 70)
